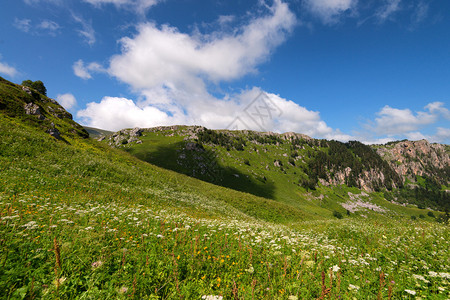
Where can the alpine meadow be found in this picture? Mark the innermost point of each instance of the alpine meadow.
(185, 212)
(224, 150)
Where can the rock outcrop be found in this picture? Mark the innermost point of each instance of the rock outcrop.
(125, 136)
(34, 110)
(411, 158)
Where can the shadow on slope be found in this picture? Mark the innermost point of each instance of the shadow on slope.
(195, 161)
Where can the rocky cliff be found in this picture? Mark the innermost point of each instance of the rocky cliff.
(410, 159)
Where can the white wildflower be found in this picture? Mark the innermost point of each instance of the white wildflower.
(420, 277)
(250, 269)
(335, 268)
(411, 292)
(212, 297)
(59, 281)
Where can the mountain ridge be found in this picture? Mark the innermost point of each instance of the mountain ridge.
(318, 162)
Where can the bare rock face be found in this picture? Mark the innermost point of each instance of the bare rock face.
(54, 133)
(411, 158)
(292, 136)
(126, 136)
(34, 110)
(59, 112)
(27, 90)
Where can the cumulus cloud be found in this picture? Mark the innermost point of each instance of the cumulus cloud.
(437, 108)
(330, 10)
(84, 71)
(87, 32)
(166, 56)
(172, 71)
(442, 135)
(251, 109)
(386, 11)
(114, 113)
(393, 121)
(67, 100)
(403, 123)
(6, 69)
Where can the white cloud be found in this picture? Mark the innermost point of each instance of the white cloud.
(7, 69)
(420, 13)
(394, 124)
(114, 113)
(392, 121)
(438, 109)
(330, 10)
(172, 70)
(34, 2)
(66, 100)
(49, 25)
(22, 24)
(233, 112)
(87, 32)
(385, 12)
(45, 27)
(138, 5)
(415, 136)
(80, 70)
(164, 56)
(442, 135)
(83, 71)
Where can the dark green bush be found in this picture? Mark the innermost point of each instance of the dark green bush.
(337, 214)
(37, 85)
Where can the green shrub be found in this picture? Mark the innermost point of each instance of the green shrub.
(37, 85)
(337, 214)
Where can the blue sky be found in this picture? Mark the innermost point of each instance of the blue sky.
(373, 71)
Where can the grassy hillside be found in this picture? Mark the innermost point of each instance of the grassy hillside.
(285, 168)
(96, 133)
(81, 220)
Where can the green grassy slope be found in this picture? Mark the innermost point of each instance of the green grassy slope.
(48, 114)
(79, 219)
(273, 169)
(96, 132)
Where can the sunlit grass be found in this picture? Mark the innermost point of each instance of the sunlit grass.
(85, 221)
